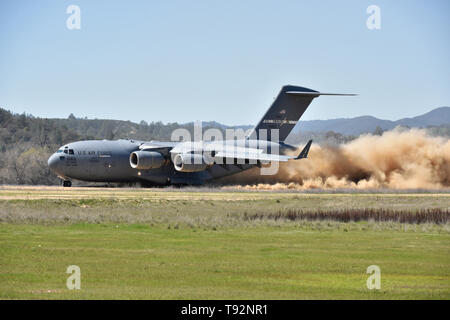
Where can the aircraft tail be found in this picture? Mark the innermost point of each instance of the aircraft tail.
(285, 111)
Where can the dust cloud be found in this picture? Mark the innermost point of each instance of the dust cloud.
(397, 159)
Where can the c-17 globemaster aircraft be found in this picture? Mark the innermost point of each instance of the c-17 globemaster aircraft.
(187, 163)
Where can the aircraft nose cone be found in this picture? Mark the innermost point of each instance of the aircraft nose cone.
(53, 162)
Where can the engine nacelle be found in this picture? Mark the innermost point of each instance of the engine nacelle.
(146, 160)
(190, 162)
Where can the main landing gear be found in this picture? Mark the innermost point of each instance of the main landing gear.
(67, 183)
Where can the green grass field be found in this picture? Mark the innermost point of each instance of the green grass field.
(180, 244)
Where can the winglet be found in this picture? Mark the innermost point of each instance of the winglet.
(304, 153)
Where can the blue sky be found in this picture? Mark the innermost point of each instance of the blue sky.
(222, 60)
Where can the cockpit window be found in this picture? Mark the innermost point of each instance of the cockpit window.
(59, 151)
(71, 151)
(66, 151)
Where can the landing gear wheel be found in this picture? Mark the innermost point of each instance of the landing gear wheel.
(67, 183)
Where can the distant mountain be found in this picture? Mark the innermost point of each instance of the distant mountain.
(364, 124)
(436, 117)
(358, 125)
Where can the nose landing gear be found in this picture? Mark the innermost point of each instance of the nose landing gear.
(67, 183)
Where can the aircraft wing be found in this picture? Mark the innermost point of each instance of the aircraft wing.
(265, 157)
(156, 145)
(258, 155)
(162, 147)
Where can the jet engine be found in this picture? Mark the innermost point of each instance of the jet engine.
(191, 162)
(146, 160)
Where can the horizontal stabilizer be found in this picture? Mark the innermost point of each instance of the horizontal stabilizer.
(316, 94)
(304, 153)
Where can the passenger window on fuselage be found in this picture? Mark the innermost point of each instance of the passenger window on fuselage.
(91, 152)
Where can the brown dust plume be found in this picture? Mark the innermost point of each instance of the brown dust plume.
(396, 160)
